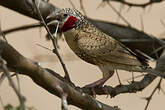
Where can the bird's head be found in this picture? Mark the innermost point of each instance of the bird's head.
(67, 19)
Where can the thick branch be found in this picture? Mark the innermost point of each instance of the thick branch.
(48, 79)
(27, 8)
(130, 88)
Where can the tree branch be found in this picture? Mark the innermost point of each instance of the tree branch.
(27, 8)
(49, 80)
(21, 28)
(143, 5)
(53, 39)
(152, 94)
(12, 84)
(130, 88)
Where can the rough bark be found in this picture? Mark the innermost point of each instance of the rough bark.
(48, 79)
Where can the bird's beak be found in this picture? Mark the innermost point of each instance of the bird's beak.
(54, 19)
(54, 22)
(52, 16)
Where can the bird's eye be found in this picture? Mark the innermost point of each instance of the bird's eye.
(65, 15)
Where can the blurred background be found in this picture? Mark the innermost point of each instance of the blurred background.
(81, 73)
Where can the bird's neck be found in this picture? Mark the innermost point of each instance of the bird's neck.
(70, 37)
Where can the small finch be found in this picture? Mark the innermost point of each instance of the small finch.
(94, 46)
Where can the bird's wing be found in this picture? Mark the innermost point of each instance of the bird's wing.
(105, 48)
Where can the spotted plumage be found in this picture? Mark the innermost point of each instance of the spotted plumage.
(96, 47)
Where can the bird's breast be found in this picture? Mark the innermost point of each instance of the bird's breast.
(81, 44)
(71, 39)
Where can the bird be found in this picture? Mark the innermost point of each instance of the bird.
(94, 46)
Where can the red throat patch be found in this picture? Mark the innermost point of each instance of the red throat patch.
(69, 23)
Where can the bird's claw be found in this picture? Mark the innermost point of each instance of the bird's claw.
(92, 87)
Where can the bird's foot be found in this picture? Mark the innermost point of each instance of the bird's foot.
(97, 84)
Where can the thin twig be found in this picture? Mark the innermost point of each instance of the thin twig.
(162, 23)
(1, 102)
(150, 97)
(7, 74)
(18, 82)
(2, 34)
(136, 5)
(11, 82)
(101, 5)
(82, 7)
(133, 78)
(142, 23)
(118, 78)
(118, 13)
(156, 53)
(145, 55)
(2, 77)
(72, 4)
(162, 91)
(157, 50)
(20, 28)
(53, 39)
